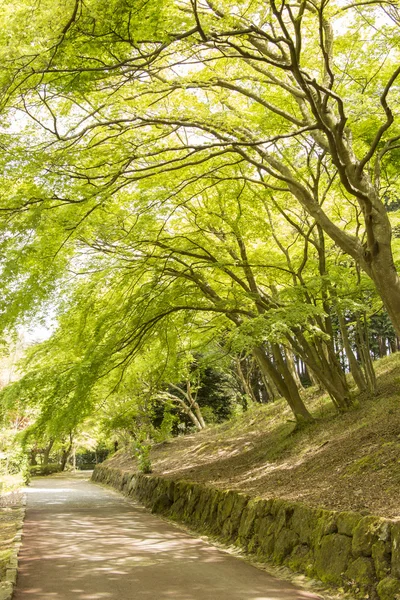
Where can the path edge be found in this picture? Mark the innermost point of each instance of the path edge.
(7, 585)
(349, 552)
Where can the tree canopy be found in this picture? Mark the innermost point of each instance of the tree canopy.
(198, 183)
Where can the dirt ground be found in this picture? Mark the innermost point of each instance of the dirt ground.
(342, 462)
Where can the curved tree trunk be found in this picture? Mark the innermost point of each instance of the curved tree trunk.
(355, 368)
(46, 453)
(284, 382)
(321, 359)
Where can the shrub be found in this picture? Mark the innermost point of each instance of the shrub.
(45, 469)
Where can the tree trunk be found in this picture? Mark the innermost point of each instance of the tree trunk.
(384, 275)
(32, 457)
(365, 355)
(321, 359)
(243, 380)
(192, 416)
(355, 369)
(66, 453)
(284, 382)
(292, 367)
(199, 416)
(46, 452)
(194, 405)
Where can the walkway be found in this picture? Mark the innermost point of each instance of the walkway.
(83, 542)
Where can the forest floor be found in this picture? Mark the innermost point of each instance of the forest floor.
(341, 462)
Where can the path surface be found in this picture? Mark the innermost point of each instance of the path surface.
(84, 542)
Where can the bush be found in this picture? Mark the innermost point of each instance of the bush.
(164, 432)
(45, 469)
(142, 451)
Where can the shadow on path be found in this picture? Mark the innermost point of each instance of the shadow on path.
(83, 542)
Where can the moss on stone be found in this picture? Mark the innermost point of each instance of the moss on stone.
(304, 521)
(248, 517)
(201, 505)
(301, 559)
(282, 512)
(332, 558)
(389, 589)
(179, 490)
(265, 526)
(266, 547)
(176, 510)
(381, 557)
(396, 550)
(285, 541)
(326, 525)
(231, 526)
(162, 505)
(369, 531)
(216, 499)
(193, 495)
(225, 507)
(361, 575)
(347, 522)
(315, 541)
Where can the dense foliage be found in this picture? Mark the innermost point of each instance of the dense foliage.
(201, 195)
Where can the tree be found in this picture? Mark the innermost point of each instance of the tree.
(289, 102)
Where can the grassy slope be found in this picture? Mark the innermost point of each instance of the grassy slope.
(343, 462)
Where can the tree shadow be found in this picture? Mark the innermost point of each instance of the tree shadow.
(82, 542)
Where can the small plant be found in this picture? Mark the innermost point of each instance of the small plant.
(142, 451)
(164, 432)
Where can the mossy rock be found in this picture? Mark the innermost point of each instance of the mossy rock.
(130, 490)
(252, 546)
(265, 547)
(5, 556)
(304, 521)
(285, 541)
(203, 499)
(332, 557)
(225, 507)
(168, 488)
(179, 490)
(361, 575)
(369, 531)
(162, 505)
(326, 525)
(264, 507)
(282, 512)
(208, 507)
(301, 559)
(265, 526)
(216, 498)
(124, 481)
(381, 557)
(347, 522)
(193, 496)
(231, 526)
(396, 550)
(177, 509)
(246, 526)
(388, 589)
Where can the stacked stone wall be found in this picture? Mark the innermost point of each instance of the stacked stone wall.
(360, 554)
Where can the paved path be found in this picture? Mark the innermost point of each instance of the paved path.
(84, 542)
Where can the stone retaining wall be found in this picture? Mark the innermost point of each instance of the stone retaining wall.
(360, 554)
(10, 547)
